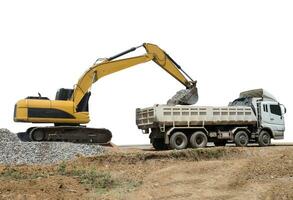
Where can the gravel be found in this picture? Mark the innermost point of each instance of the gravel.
(7, 136)
(13, 151)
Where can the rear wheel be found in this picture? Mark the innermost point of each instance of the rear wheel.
(264, 138)
(198, 140)
(178, 141)
(241, 139)
(159, 144)
(220, 143)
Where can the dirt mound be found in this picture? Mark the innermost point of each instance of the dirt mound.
(187, 155)
(211, 173)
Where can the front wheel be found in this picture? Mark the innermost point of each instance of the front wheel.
(178, 141)
(264, 139)
(241, 139)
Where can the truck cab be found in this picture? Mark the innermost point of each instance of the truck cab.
(272, 118)
(269, 112)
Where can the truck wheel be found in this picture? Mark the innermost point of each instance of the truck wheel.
(198, 140)
(220, 143)
(241, 139)
(178, 141)
(159, 144)
(264, 138)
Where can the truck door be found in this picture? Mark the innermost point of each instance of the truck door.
(272, 117)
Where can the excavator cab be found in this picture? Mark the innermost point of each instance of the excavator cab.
(65, 94)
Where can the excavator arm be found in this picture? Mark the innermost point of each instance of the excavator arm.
(111, 65)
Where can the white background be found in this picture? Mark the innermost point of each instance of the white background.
(227, 46)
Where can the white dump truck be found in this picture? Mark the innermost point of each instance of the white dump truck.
(255, 117)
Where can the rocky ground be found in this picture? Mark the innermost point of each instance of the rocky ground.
(210, 173)
(13, 151)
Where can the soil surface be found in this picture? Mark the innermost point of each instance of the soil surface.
(211, 173)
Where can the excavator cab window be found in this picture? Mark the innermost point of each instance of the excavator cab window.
(63, 94)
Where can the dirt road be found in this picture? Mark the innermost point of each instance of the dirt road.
(211, 173)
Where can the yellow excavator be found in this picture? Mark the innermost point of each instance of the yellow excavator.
(69, 111)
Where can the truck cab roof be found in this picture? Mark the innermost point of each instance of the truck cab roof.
(258, 93)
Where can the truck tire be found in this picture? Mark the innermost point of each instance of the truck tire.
(198, 140)
(220, 143)
(241, 139)
(159, 144)
(178, 141)
(264, 138)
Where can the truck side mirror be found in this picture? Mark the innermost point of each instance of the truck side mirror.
(284, 108)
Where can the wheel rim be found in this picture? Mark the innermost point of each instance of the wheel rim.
(199, 140)
(243, 139)
(266, 139)
(179, 141)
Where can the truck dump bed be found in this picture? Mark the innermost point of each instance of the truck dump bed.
(163, 115)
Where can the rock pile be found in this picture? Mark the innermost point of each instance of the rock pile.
(13, 151)
(184, 97)
(7, 136)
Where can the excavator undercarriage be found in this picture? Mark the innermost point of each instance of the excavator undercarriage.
(76, 134)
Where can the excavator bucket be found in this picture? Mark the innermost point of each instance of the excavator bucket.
(184, 97)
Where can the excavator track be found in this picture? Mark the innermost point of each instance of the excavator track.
(76, 134)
